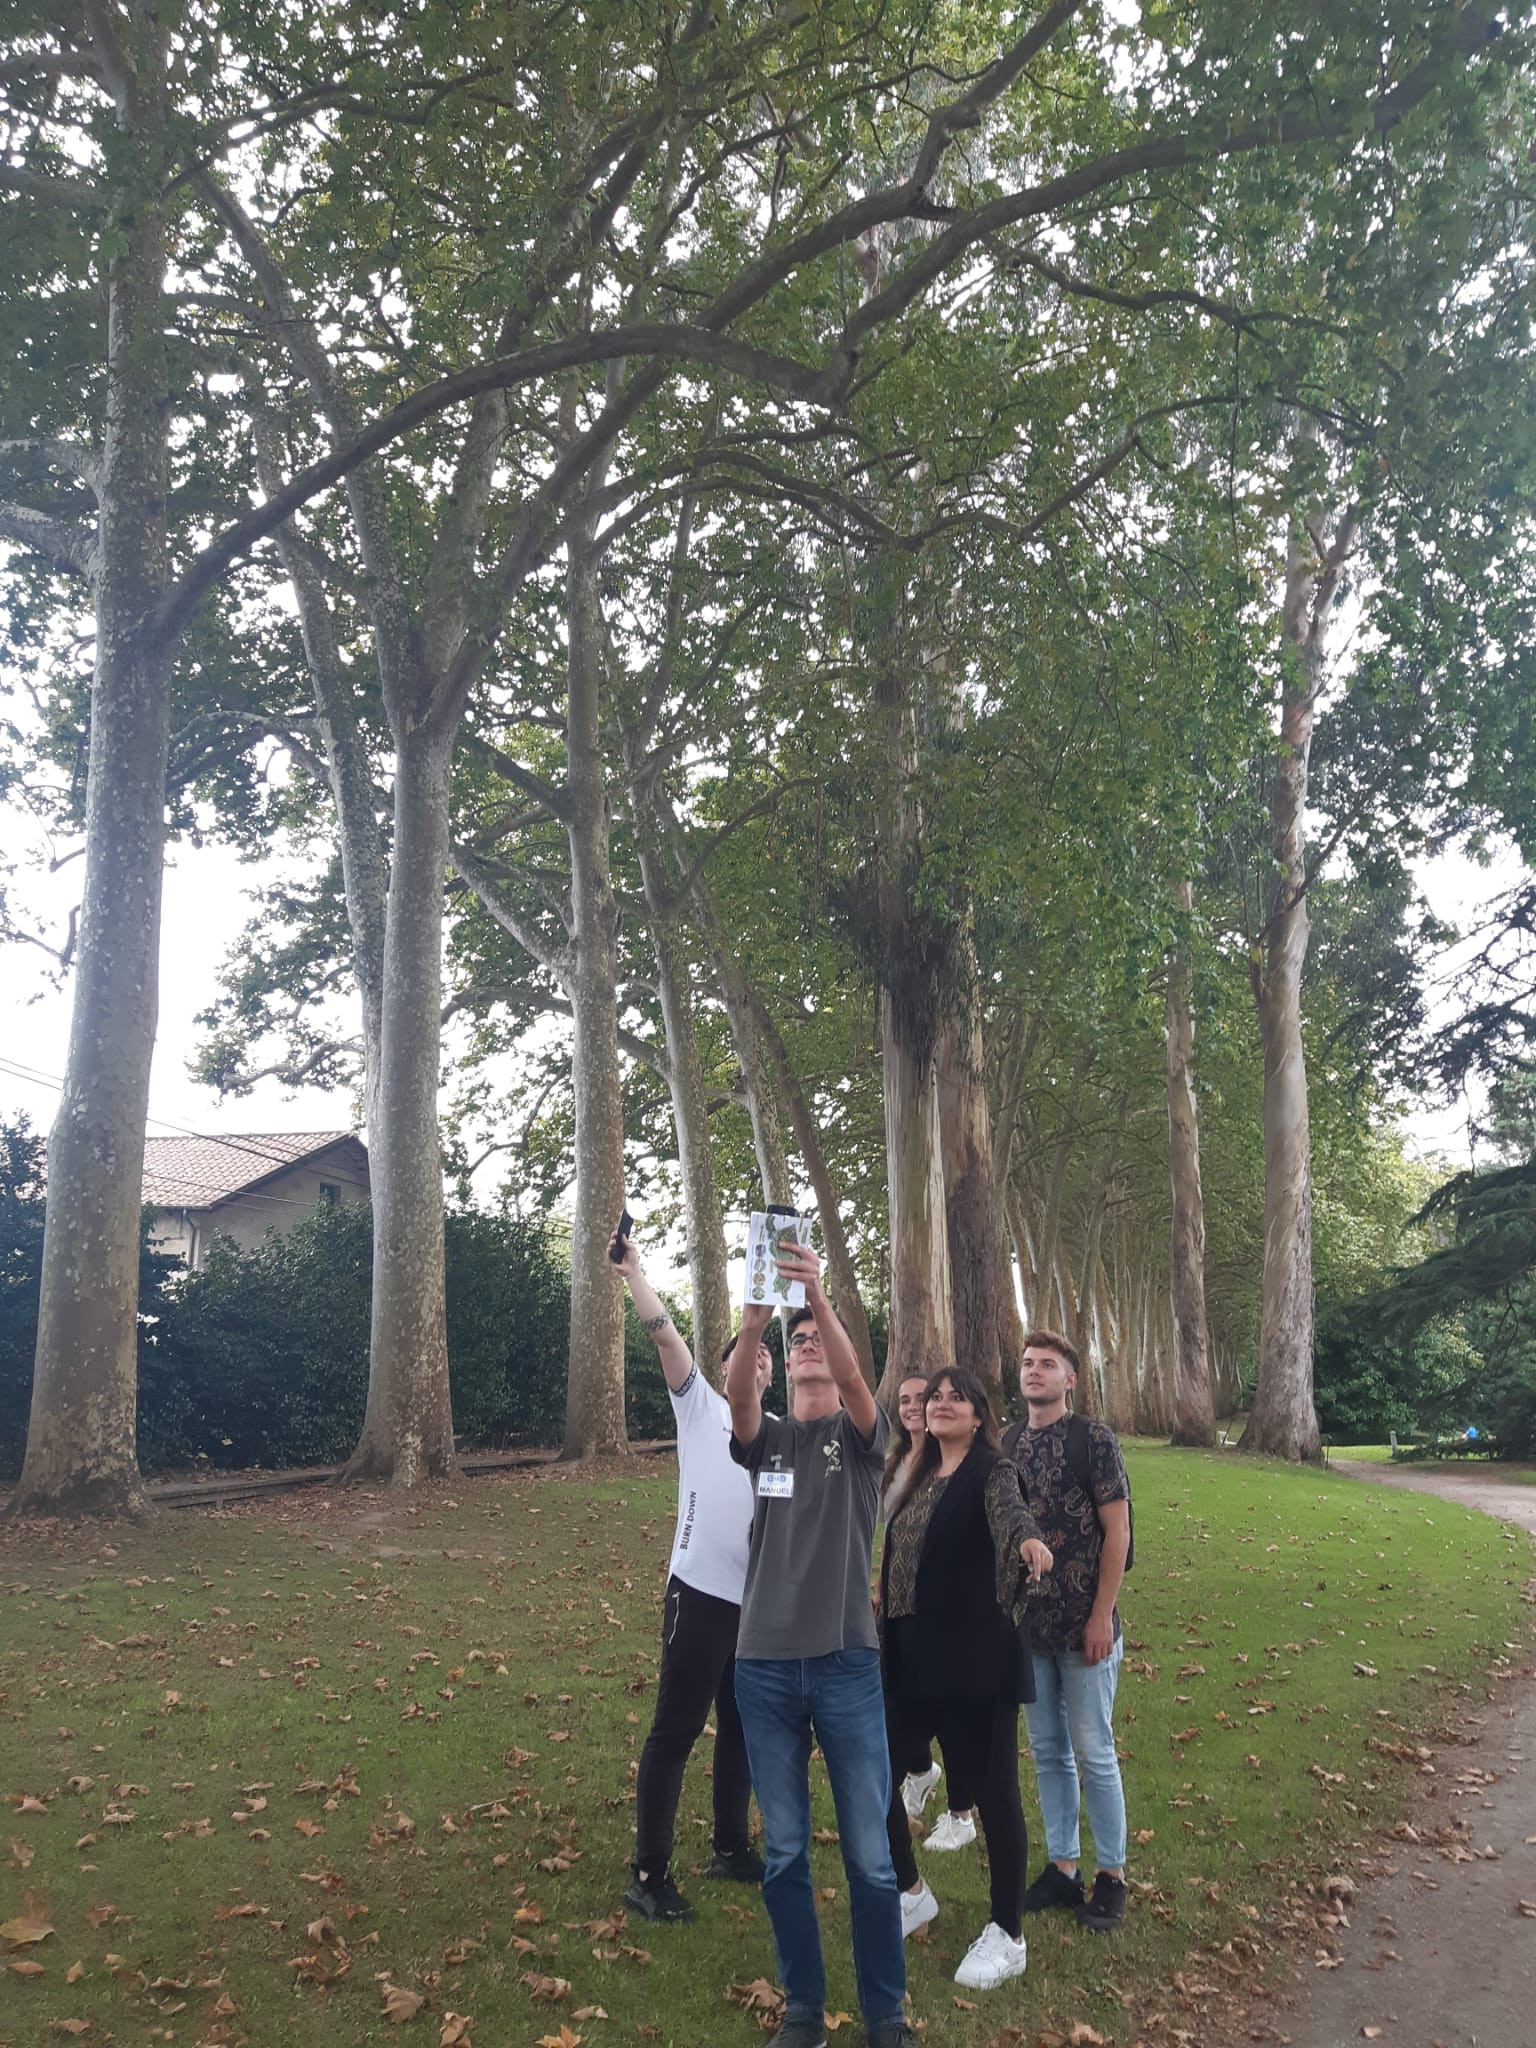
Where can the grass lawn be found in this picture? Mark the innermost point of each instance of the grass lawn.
(271, 1768)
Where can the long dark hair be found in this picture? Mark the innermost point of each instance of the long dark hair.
(967, 1387)
(901, 1436)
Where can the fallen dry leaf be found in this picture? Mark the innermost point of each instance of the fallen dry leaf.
(71, 2026)
(25, 1929)
(401, 2005)
(21, 1853)
(551, 1988)
(74, 1973)
(564, 2039)
(455, 2031)
(589, 2012)
(25, 1967)
(1084, 2036)
(835, 2020)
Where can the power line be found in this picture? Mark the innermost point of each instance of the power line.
(55, 1082)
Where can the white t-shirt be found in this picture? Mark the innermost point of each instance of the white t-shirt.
(714, 1495)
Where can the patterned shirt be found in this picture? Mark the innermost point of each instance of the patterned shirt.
(1008, 1519)
(1069, 1522)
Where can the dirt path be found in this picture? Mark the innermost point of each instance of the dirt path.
(1438, 1953)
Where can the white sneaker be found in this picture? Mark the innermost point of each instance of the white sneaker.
(917, 1909)
(992, 1958)
(917, 1789)
(951, 1831)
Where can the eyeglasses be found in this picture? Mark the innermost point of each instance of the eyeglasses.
(803, 1337)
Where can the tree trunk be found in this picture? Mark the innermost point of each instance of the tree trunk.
(922, 1335)
(756, 1078)
(843, 1283)
(1284, 1419)
(407, 1433)
(82, 1439)
(1194, 1420)
(985, 1321)
(594, 1406)
(707, 1258)
(364, 868)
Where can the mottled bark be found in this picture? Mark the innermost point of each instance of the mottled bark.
(985, 1318)
(407, 1430)
(707, 1257)
(594, 1412)
(842, 1281)
(364, 867)
(81, 1450)
(756, 1078)
(1283, 1421)
(1194, 1418)
(922, 1336)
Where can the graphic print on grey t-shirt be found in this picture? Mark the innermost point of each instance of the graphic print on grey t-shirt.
(817, 1487)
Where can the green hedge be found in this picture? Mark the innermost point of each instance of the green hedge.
(261, 1357)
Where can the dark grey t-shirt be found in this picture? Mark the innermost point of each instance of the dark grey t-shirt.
(816, 1486)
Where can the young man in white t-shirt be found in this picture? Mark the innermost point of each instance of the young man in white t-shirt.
(699, 1621)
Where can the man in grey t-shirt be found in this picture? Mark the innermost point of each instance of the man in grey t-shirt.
(807, 1665)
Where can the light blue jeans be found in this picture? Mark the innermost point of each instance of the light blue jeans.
(838, 1702)
(1072, 1738)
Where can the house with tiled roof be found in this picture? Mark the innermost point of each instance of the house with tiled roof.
(242, 1187)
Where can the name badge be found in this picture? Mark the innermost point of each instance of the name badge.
(775, 1485)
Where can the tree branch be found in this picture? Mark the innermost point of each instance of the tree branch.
(555, 961)
(69, 548)
(84, 463)
(70, 195)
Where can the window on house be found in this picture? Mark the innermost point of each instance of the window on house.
(330, 1193)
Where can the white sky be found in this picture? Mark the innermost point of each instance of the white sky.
(206, 904)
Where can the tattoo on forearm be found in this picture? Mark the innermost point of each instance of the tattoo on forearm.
(656, 1324)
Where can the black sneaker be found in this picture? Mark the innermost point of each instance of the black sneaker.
(800, 2030)
(1053, 1887)
(736, 1866)
(895, 2034)
(656, 1898)
(1105, 1910)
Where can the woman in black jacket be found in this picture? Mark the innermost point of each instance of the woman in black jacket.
(960, 1550)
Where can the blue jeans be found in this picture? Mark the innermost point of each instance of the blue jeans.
(1071, 1737)
(838, 1701)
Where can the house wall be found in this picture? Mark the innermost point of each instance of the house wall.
(278, 1204)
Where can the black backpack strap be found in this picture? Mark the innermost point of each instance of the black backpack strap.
(1080, 1451)
(1012, 1434)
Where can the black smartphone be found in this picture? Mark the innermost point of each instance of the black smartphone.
(616, 1249)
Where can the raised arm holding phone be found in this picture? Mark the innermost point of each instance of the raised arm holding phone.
(807, 1665)
(701, 1612)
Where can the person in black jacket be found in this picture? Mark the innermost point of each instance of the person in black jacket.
(960, 1550)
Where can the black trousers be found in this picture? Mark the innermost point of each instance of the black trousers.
(979, 1741)
(698, 1671)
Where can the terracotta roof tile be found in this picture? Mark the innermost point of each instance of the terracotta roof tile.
(198, 1173)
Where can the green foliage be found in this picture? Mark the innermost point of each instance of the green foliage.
(261, 1357)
